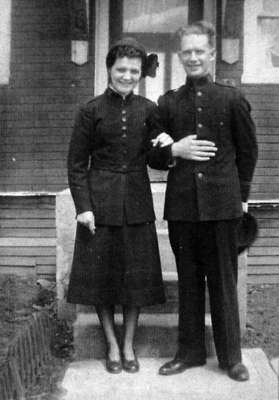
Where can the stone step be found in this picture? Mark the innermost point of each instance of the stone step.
(166, 254)
(156, 336)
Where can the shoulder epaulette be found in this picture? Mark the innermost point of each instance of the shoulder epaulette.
(171, 92)
(139, 96)
(226, 82)
(168, 92)
(94, 99)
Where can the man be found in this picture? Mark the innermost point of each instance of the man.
(204, 199)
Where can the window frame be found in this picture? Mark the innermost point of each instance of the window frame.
(253, 70)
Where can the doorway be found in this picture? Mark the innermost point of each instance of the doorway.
(154, 23)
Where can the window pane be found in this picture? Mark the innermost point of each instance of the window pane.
(270, 41)
(271, 6)
(155, 87)
(178, 74)
(5, 41)
(154, 16)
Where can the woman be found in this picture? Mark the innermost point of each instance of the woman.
(116, 258)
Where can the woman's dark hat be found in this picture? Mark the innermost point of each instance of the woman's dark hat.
(247, 232)
(131, 42)
(149, 62)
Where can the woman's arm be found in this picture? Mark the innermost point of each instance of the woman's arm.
(78, 160)
(159, 153)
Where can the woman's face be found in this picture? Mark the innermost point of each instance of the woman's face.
(125, 74)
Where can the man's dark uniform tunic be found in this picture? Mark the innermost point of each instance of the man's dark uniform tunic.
(203, 205)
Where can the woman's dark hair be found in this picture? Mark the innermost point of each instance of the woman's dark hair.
(127, 47)
(123, 51)
(131, 48)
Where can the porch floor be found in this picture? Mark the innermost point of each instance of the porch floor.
(88, 380)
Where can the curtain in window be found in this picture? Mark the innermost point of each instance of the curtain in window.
(154, 16)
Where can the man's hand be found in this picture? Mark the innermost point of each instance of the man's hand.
(87, 219)
(162, 140)
(190, 148)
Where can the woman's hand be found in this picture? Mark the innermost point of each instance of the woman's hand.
(162, 140)
(87, 219)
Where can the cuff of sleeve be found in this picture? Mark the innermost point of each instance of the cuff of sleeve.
(171, 161)
(244, 190)
(82, 202)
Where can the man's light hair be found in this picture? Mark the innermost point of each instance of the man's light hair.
(198, 28)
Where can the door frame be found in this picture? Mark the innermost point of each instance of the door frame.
(108, 17)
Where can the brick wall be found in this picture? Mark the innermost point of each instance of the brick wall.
(38, 105)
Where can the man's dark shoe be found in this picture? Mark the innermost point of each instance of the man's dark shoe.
(176, 366)
(238, 372)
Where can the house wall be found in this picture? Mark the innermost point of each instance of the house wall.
(36, 118)
(263, 256)
(28, 235)
(264, 100)
(38, 105)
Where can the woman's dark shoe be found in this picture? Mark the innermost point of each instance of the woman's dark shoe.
(130, 365)
(114, 367)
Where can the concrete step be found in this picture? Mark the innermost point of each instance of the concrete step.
(156, 336)
(87, 380)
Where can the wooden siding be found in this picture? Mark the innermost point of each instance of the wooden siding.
(263, 257)
(264, 100)
(28, 238)
(38, 106)
(28, 235)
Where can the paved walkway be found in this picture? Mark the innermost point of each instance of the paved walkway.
(88, 380)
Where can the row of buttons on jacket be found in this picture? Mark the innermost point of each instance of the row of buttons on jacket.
(199, 126)
(124, 126)
(124, 132)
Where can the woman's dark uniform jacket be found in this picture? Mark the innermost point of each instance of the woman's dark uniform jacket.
(120, 264)
(214, 189)
(114, 133)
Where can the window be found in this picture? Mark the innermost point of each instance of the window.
(153, 22)
(261, 41)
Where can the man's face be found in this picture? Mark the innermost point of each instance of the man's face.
(196, 55)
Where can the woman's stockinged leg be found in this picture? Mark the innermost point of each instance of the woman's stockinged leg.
(130, 318)
(106, 317)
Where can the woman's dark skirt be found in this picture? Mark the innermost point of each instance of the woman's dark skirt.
(117, 265)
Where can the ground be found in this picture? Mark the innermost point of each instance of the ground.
(20, 297)
(263, 319)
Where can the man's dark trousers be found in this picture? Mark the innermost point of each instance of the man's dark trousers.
(208, 250)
